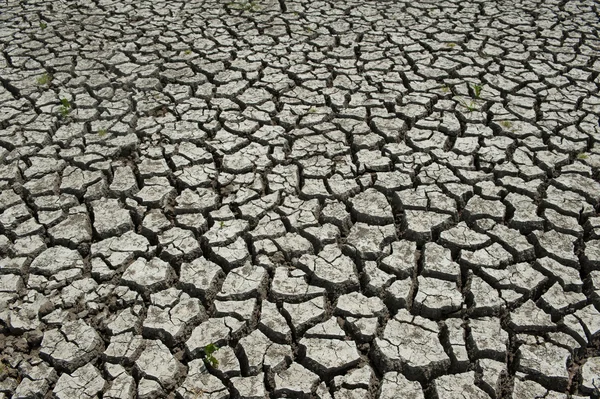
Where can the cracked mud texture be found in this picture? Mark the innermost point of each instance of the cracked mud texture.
(349, 199)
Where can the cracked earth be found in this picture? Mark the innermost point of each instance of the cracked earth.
(348, 200)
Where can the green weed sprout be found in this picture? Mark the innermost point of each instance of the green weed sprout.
(470, 106)
(65, 107)
(44, 79)
(477, 89)
(210, 359)
(43, 25)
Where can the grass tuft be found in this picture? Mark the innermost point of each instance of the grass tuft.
(65, 107)
(477, 90)
(44, 79)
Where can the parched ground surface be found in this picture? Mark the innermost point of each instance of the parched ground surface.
(369, 200)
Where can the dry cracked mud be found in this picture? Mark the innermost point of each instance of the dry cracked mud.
(346, 199)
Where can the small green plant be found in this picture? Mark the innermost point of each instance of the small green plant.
(44, 79)
(470, 106)
(221, 224)
(582, 156)
(477, 90)
(253, 6)
(451, 45)
(43, 25)
(188, 52)
(209, 350)
(102, 132)
(65, 107)
(312, 110)
(506, 124)
(445, 89)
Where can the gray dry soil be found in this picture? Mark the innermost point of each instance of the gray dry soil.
(350, 199)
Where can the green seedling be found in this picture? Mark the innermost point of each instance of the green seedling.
(43, 25)
(506, 124)
(210, 359)
(221, 224)
(188, 52)
(445, 89)
(102, 132)
(477, 90)
(44, 79)
(582, 156)
(312, 110)
(253, 6)
(65, 107)
(451, 45)
(470, 106)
